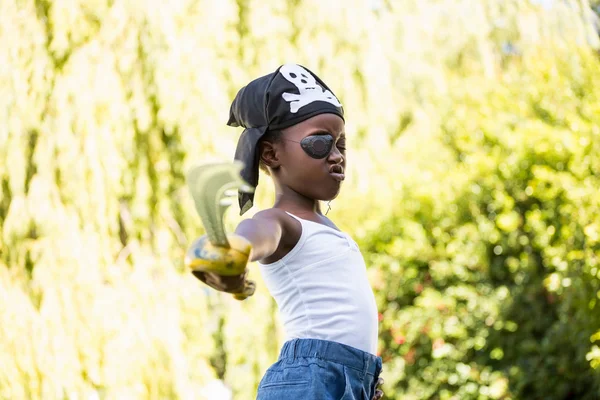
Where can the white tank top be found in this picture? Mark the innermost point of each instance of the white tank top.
(322, 290)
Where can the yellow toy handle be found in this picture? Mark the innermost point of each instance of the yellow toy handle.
(203, 256)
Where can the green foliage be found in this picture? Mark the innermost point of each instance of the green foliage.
(489, 280)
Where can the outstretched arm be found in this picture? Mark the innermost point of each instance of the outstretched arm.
(224, 269)
(264, 232)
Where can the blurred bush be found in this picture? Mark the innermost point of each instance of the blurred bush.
(488, 274)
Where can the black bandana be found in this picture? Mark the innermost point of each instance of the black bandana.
(275, 101)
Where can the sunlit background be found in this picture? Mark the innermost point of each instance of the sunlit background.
(473, 191)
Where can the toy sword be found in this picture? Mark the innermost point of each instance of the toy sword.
(214, 186)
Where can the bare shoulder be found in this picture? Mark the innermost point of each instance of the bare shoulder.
(273, 214)
(291, 230)
(287, 223)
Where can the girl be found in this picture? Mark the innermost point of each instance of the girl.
(294, 131)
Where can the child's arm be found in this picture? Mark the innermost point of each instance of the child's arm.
(254, 239)
(264, 232)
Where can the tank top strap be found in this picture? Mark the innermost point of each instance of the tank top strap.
(312, 227)
(308, 227)
(292, 215)
(302, 221)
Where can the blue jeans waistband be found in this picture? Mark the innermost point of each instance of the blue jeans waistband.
(332, 351)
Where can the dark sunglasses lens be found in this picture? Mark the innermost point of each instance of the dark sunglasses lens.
(317, 146)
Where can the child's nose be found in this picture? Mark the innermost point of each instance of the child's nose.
(336, 155)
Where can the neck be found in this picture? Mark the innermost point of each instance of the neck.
(292, 201)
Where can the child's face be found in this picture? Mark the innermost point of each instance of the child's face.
(315, 178)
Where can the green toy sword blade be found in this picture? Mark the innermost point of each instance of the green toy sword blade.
(214, 187)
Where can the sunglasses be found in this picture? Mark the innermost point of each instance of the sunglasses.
(317, 146)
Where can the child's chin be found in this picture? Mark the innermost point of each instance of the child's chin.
(330, 197)
(325, 194)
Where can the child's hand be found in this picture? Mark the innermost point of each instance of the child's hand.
(237, 285)
(221, 268)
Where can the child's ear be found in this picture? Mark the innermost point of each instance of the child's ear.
(269, 155)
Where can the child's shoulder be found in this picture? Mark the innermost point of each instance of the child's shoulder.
(289, 225)
(290, 231)
(273, 214)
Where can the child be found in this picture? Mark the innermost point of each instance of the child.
(295, 132)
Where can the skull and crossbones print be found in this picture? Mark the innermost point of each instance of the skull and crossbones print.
(308, 87)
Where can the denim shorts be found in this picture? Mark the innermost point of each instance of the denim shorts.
(312, 369)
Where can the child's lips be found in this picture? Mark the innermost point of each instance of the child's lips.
(337, 172)
(337, 176)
